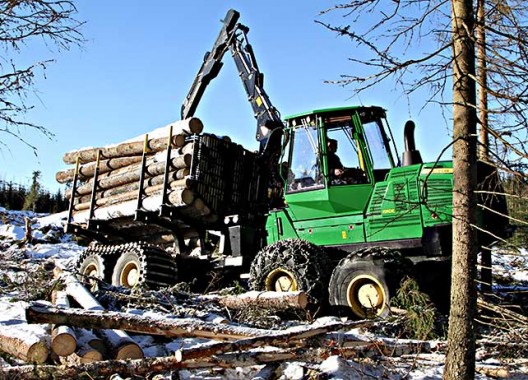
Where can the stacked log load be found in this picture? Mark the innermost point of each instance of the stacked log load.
(207, 176)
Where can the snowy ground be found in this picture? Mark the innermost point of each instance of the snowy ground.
(23, 279)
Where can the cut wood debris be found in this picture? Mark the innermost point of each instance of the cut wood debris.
(203, 336)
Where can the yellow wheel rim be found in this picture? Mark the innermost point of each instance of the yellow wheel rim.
(281, 280)
(129, 275)
(366, 296)
(91, 270)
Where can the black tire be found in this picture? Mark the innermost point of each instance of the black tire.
(291, 265)
(127, 270)
(363, 282)
(144, 265)
(92, 265)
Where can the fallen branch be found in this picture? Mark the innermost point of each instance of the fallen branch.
(502, 314)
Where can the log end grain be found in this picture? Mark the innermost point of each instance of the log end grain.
(91, 356)
(98, 345)
(129, 351)
(178, 141)
(63, 344)
(37, 353)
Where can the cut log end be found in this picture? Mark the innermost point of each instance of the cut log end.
(195, 125)
(129, 351)
(91, 356)
(63, 344)
(37, 353)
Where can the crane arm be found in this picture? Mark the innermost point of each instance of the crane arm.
(211, 65)
(233, 36)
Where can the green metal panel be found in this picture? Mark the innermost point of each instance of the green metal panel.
(328, 202)
(323, 110)
(411, 198)
(347, 229)
(279, 226)
(332, 231)
(436, 186)
(394, 211)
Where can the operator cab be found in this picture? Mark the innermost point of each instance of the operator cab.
(337, 147)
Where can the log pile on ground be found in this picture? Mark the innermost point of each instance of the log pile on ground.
(230, 345)
(100, 326)
(194, 168)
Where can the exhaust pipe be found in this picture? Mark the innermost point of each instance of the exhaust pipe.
(411, 156)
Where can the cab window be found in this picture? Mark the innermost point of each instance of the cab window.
(345, 164)
(304, 171)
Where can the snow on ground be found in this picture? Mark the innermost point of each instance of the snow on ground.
(511, 265)
(20, 264)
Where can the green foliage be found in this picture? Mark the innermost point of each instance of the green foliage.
(420, 319)
(17, 197)
(30, 203)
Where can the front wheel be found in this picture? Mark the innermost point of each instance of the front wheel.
(291, 265)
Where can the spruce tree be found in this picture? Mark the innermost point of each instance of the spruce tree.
(30, 201)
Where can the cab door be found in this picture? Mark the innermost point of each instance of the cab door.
(321, 210)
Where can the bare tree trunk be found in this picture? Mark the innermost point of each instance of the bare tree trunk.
(460, 359)
(482, 75)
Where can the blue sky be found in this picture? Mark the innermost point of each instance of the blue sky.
(141, 57)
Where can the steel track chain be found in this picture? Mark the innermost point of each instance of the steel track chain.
(157, 268)
(307, 260)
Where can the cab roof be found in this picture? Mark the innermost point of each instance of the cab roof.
(337, 111)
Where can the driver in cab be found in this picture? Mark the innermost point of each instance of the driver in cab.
(335, 167)
(340, 175)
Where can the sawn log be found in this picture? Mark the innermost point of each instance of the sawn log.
(170, 327)
(133, 148)
(267, 300)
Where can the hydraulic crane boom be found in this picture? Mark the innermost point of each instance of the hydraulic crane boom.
(233, 36)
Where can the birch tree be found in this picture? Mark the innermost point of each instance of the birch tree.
(24, 23)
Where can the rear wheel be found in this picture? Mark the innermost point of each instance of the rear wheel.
(127, 270)
(291, 265)
(363, 282)
(361, 287)
(144, 265)
(92, 266)
(97, 262)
